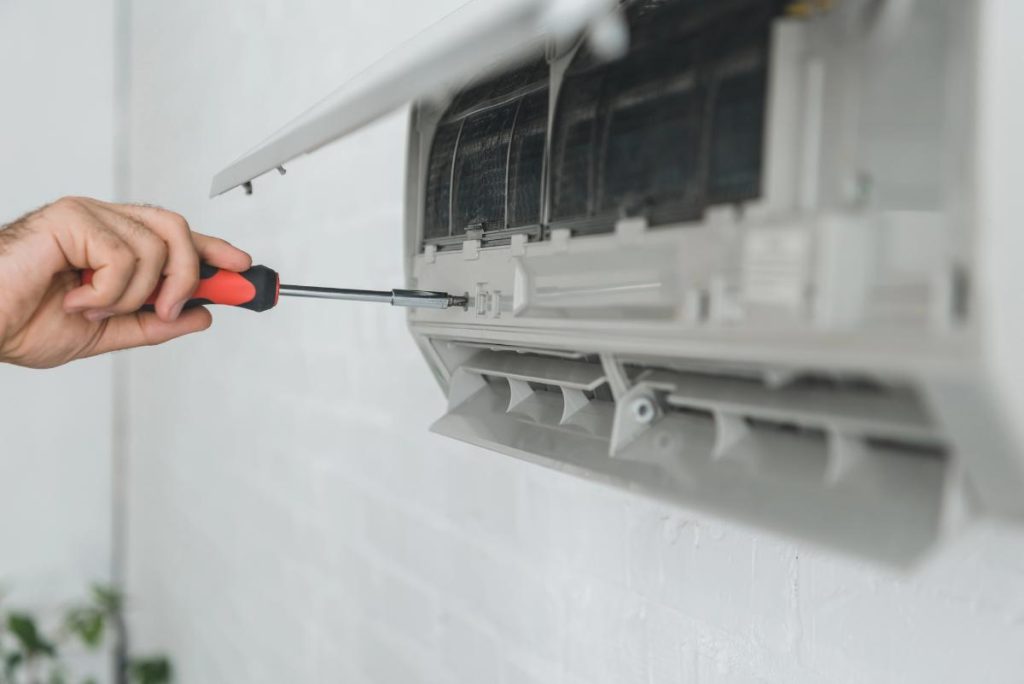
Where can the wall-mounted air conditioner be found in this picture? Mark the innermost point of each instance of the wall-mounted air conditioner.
(720, 251)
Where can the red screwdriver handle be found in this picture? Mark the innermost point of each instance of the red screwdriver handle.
(256, 289)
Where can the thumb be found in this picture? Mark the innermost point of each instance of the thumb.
(145, 328)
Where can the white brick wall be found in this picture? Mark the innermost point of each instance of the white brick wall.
(292, 519)
(56, 137)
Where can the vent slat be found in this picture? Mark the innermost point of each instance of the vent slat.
(565, 373)
(893, 413)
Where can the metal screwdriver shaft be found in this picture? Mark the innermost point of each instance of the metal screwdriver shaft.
(423, 299)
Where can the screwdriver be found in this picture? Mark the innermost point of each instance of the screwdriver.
(259, 288)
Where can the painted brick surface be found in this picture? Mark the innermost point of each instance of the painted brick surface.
(293, 520)
(56, 137)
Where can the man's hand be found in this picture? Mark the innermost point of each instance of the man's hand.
(48, 317)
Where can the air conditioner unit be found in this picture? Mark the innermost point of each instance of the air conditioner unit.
(723, 252)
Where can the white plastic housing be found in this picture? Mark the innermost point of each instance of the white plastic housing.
(857, 269)
(838, 360)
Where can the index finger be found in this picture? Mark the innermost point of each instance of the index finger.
(221, 253)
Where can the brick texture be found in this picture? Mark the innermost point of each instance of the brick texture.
(293, 520)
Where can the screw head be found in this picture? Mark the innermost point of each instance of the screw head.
(643, 410)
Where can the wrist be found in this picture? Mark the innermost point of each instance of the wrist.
(15, 237)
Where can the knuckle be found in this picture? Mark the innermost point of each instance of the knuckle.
(154, 248)
(107, 296)
(148, 245)
(137, 229)
(176, 222)
(112, 243)
(190, 279)
(135, 296)
(69, 205)
(123, 259)
(70, 202)
(190, 267)
(162, 250)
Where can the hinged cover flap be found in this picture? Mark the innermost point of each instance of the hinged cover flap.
(484, 32)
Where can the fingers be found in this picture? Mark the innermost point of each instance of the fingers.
(94, 245)
(181, 267)
(151, 254)
(133, 250)
(221, 253)
(147, 328)
(186, 249)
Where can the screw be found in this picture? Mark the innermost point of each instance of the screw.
(643, 410)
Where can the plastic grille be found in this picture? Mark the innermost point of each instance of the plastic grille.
(439, 181)
(574, 145)
(500, 87)
(674, 126)
(527, 160)
(653, 140)
(480, 169)
(736, 149)
(487, 156)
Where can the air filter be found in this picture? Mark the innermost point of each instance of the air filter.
(486, 160)
(673, 127)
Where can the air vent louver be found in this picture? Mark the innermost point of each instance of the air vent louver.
(847, 461)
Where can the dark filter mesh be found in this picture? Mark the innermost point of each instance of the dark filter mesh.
(654, 125)
(491, 139)
(675, 125)
(480, 164)
(527, 160)
(439, 176)
(501, 86)
(736, 139)
(573, 146)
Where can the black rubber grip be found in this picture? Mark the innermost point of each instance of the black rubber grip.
(267, 285)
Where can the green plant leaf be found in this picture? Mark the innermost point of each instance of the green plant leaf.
(156, 670)
(87, 624)
(11, 664)
(107, 598)
(24, 629)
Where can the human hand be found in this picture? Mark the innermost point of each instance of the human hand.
(48, 317)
